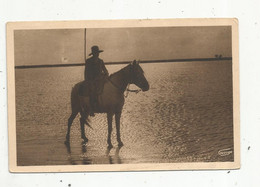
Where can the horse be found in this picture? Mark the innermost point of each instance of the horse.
(111, 100)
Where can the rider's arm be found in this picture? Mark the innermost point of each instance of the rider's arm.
(104, 68)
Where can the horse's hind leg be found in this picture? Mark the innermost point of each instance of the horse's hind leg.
(83, 119)
(70, 120)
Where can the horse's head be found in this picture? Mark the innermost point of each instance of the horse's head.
(137, 76)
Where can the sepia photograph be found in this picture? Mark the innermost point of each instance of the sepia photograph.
(123, 95)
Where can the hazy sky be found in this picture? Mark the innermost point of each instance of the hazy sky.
(121, 44)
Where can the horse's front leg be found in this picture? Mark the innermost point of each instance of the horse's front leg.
(109, 122)
(118, 116)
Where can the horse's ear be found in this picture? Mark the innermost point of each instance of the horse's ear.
(134, 62)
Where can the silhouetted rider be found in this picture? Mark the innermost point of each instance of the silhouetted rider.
(94, 71)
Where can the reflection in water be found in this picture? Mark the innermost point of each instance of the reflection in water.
(68, 147)
(85, 159)
(73, 161)
(116, 158)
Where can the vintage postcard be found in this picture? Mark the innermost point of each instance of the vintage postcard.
(123, 95)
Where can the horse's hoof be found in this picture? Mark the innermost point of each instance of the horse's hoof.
(85, 141)
(120, 144)
(110, 146)
(66, 142)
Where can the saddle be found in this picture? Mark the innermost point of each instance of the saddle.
(86, 88)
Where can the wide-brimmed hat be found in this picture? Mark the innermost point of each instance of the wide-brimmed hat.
(95, 49)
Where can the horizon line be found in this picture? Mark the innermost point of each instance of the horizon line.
(123, 62)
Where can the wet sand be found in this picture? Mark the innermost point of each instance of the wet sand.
(186, 116)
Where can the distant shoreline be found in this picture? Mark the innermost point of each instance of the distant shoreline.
(124, 62)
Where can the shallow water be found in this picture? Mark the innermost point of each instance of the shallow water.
(186, 116)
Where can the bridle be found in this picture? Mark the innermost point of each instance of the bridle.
(129, 90)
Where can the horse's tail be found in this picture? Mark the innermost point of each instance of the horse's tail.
(76, 105)
(73, 98)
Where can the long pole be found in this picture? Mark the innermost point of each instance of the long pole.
(85, 45)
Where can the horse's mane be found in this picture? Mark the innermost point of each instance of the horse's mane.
(119, 71)
(124, 69)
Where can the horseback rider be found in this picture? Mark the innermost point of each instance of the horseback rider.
(95, 70)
